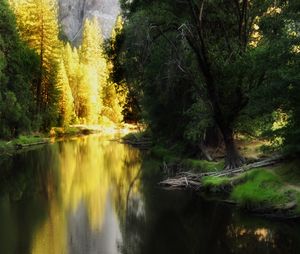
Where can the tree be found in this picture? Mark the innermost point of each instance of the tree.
(74, 74)
(18, 70)
(66, 101)
(281, 39)
(38, 27)
(94, 71)
(211, 43)
(114, 91)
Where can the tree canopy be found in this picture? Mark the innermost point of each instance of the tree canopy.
(202, 67)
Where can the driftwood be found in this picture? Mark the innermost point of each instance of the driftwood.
(193, 180)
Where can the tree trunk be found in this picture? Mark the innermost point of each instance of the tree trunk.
(233, 158)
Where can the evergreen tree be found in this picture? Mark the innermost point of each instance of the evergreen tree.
(114, 91)
(38, 27)
(18, 70)
(95, 70)
(74, 73)
(66, 101)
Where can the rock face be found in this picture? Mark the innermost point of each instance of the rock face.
(72, 14)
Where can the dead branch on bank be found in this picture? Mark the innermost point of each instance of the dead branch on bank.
(193, 180)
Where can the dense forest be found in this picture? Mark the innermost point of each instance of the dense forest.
(47, 82)
(205, 72)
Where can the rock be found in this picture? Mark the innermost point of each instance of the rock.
(73, 13)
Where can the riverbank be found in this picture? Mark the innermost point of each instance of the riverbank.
(23, 141)
(8, 147)
(272, 189)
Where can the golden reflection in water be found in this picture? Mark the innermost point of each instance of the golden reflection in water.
(260, 234)
(90, 170)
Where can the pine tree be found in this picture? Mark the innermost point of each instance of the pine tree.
(74, 73)
(66, 102)
(18, 69)
(95, 71)
(114, 95)
(38, 27)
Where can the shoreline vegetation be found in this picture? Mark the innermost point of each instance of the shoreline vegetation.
(268, 185)
(8, 147)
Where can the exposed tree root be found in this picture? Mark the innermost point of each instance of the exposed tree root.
(234, 161)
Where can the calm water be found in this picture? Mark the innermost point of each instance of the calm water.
(92, 195)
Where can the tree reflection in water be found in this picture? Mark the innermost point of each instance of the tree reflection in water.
(92, 195)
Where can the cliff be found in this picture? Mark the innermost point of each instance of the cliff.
(72, 14)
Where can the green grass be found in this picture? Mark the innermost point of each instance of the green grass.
(24, 140)
(212, 181)
(203, 165)
(262, 188)
(21, 140)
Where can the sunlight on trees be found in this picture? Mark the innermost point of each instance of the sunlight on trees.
(72, 84)
(38, 27)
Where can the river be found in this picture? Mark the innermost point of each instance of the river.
(94, 195)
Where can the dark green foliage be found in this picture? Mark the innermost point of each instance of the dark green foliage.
(280, 90)
(227, 65)
(18, 70)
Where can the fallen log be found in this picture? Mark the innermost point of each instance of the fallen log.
(193, 180)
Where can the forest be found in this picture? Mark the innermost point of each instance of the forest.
(47, 82)
(211, 72)
(199, 74)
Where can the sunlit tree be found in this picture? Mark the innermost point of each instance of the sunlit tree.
(66, 101)
(113, 94)
(74, 73)
(95, 70)
(38, 26)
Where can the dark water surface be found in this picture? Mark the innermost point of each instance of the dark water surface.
(92, 195)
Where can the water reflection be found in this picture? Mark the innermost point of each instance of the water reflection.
(86, 184)
(92, 195)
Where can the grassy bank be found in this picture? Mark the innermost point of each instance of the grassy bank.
(22, 141)
(273, 191)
